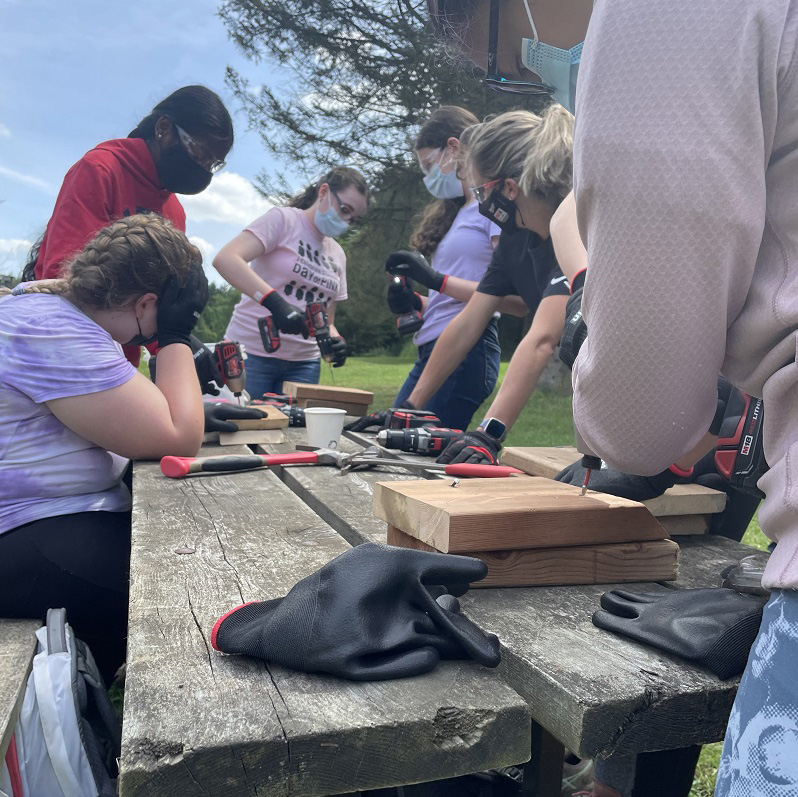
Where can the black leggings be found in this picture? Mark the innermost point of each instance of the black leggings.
(80, 562)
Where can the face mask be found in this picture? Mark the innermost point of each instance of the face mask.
(140, 339)
(179, 173)
(330, 223)
(556, 67)
(500, 210)
(443, 186)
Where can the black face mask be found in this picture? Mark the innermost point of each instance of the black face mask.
(500, 210)
(140, 339)
(179, 173)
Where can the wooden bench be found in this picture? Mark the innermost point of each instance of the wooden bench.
(593, 692)
(17, 648)
(197, 722)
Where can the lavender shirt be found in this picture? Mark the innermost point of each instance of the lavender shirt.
(50, 350)
(465, 251)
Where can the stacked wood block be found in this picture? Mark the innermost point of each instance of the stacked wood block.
(684, 509)
(529, 530)
(257, 431)
(355, 402)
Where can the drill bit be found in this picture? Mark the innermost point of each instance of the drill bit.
(589, 463)
(586, 482)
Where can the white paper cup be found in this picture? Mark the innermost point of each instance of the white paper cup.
(324, 426)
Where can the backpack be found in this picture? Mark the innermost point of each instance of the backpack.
(68, 736)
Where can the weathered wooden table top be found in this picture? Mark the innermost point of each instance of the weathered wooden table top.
(592, 690)
(17, 646)
(197, 722)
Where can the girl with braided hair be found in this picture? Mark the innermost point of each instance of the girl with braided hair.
(64, 386)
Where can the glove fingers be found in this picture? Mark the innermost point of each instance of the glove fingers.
(642, 597)
(618, 625)
(569, 475)
(448, 455)
(482, 647)
(448, 603)
(438, 568)
(619, 606)
(218, 425)
(242, 629)
(393, 665)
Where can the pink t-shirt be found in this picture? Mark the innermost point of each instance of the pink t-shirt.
(299, 262)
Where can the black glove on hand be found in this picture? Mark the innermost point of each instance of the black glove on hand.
(218, 416)
(574, 332)
(473, 448)
(368, 615)
(339, 351)
(179, 307)
(289, 319)
(415, 266)
(378, 419)
(205, 364)
(712, 627)
(613, 482)
(402, 298)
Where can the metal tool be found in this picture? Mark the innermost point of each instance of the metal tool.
(427, 441)
(408, 323)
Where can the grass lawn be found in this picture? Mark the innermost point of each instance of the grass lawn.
(546, 421)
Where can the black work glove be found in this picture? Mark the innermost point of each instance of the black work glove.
(712, 627)
(205, 364)
(219, 414)
(339, 351)
(378, 419)
(179, 307)
(289, 319)
(474, 448)
(402, 298)
(574, 332)
(370, 614)
(415, 266)
(613, 482)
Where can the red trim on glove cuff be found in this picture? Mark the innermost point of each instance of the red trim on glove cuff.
(443, 284)
(682, 474)
(573, 279)
(488, 454)
(219, 622)
(266, 296)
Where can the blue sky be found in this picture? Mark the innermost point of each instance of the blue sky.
(78, 73)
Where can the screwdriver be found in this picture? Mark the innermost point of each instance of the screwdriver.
(589, 463)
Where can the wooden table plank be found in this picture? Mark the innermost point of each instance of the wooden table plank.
(17, 647)
(594, 691)
(197, 722)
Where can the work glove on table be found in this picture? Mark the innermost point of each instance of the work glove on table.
(474, 448)
(218, 415)
(415, 266)
(339, 351)
(711, 627)
(287, 317)
(614, 482)
(379, 419)
(402, 298)
(179, 307)
(370, 614)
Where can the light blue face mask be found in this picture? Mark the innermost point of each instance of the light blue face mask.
(330, 222)
(443, 186)
(556, 67)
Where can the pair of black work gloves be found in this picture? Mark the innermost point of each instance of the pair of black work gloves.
(375, 612)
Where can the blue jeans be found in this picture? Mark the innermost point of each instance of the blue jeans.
(461, 394)
(267, 374)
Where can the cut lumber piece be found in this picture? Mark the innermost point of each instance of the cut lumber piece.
(682, 525)
(655, 560)
(272, 419)
(682, 499)
(509, 514)
(345, 398)
(252, 437)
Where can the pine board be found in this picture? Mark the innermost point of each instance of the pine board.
(357, 410)
(656, 560)
(252, 437)
(683, 525)
(510, 514)
(682, 499)
(272, 419)
(350, 395)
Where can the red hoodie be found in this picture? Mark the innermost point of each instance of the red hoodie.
(115, 179)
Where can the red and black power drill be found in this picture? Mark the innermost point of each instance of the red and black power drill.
(229, 361)
(318, 327)
(740, 454)
(426, 440)
(408, 323)
(399, 418)
(269, 334)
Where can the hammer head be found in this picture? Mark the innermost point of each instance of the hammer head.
(327, 456)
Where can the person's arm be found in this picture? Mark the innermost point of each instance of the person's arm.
(568, 247)
(331, 319)
(459, 337)
(529, 360)
(463, 290)
(232, 262)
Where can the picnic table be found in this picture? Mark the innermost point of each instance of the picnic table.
(197, 722)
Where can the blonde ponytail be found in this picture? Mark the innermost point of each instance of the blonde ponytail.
(535, 150)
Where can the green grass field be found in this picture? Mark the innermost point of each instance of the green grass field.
(546, 421)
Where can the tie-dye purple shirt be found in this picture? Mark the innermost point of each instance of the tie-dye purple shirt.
(49, 350)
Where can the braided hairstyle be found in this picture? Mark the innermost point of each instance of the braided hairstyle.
(126, 259)
(448, 121)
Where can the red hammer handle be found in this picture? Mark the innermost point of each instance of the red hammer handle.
(178, 467)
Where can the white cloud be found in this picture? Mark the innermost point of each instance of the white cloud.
(12, 246)
(230, 199)
(28, 179)
(4, 131)
(207, 249)
(13, 254)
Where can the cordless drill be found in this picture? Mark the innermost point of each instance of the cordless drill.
(427, 440)
(269, 334)
(230, 364)
(400, 418)
(318, 327)
(407, 323)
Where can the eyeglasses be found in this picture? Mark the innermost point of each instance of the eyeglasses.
(344, 211)
(493, 79)
(197, 152)
(482, 192)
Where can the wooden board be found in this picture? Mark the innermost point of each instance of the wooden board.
(683, 525)
(656, 560)
(17, 647)
(198, 722)
(272, 419)
(349, 395)
(682, 499)
(252, 437)
(357, 410)
(509, 514)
